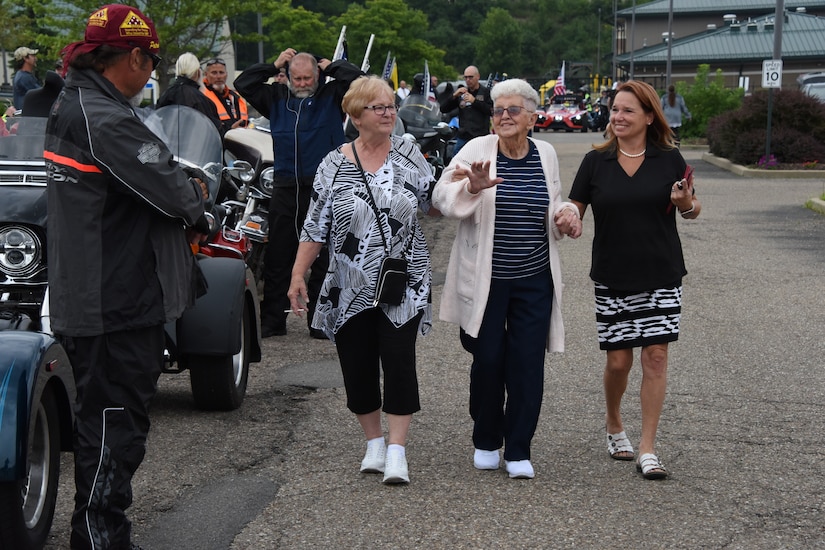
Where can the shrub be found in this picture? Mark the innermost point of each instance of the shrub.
(797, 129)
(706, 98)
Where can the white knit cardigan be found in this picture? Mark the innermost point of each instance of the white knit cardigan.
(469, 272)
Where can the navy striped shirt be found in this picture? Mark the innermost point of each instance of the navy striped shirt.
(520, 247)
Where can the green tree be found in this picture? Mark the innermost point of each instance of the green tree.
(499, 43)
(298, 28)
(398, 29)
(197, 27)
(707, 97)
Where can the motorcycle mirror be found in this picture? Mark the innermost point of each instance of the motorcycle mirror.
(243, 170)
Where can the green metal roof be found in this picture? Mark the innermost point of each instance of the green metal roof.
(659, 7)
(803, 36)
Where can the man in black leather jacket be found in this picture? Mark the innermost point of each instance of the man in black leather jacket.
(120, 265)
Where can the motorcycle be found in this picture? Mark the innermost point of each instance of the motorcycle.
(215, 340)
(423, 125)
(247, 200)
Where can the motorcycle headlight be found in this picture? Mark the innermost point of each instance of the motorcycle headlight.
(20, 251)
(267, 179)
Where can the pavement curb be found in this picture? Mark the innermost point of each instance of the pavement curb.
(816, 204)
(743, 171)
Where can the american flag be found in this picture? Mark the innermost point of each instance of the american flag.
(559, 88)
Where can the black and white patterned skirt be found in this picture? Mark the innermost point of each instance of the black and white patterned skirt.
(637, 318)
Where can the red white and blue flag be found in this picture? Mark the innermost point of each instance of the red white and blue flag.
(559, 88)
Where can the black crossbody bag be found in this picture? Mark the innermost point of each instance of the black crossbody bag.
(391, 286)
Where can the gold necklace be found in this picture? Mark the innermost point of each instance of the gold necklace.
(637, 155)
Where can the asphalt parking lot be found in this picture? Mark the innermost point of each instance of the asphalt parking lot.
(741, 431)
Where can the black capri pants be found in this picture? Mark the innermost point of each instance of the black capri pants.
(368, 342)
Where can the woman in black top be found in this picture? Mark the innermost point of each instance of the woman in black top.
(636, 181)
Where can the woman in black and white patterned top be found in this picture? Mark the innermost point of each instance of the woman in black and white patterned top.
(342, 213)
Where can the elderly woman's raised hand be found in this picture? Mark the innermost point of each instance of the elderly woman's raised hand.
(479, 175)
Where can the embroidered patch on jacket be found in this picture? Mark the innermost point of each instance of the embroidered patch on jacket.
(148, 153)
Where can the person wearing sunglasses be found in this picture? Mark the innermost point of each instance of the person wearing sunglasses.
(307, 122)
(474, 105)
(120, 265)
(504, 281)
(231, 107)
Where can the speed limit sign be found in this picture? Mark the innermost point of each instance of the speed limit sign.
(772, 73)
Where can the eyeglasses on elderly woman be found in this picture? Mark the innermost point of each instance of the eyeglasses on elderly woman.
(512, 111)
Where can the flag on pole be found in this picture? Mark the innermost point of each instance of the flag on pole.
(559, 88)
(394, 75)
(385, 74)
(390, 72)
(426, 86)
(341, 47)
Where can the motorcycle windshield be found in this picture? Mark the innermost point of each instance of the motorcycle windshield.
(26, 141)
(416, 111)
(192, 138)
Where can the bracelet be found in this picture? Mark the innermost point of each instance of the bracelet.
(689, 210)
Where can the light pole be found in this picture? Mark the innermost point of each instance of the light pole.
(599, 47)
(615, 43)
(669, 42)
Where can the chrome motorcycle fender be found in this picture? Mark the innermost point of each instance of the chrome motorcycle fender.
(30, 362)
(213, 325)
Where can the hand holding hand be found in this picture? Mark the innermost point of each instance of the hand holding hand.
(569, 222)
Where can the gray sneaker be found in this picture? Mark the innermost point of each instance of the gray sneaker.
(395, 469)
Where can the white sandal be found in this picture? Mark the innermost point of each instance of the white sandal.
(619, 443)
(650, 467)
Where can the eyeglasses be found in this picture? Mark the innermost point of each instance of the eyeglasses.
(381, 109)
(156, 59)
(215, 61)
(512, 111)
(468, 76)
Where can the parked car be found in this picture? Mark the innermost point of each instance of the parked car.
(815, 89)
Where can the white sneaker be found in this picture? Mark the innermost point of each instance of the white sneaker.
(486, 460)
(520, 469)
(374, 458)
(395, 469)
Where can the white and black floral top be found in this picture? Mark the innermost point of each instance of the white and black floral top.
(341, 215)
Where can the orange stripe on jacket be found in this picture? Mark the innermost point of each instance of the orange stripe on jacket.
(71, 163)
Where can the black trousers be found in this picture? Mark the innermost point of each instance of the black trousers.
(287, 210)
(507, 374)
(367, 343)
(116, 376)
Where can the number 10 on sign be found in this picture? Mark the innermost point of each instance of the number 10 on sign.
(772, 73)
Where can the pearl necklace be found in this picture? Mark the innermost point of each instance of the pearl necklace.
(637, 155)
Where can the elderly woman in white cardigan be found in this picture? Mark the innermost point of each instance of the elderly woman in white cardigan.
(504, 277)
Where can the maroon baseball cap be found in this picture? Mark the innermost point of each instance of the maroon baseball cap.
(116, 25)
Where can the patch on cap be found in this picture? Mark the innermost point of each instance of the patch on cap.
(117, 23)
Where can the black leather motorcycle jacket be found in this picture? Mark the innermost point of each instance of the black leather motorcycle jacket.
(118, 205)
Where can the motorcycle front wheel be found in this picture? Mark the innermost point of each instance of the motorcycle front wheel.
(27, 506)
(219, 381)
